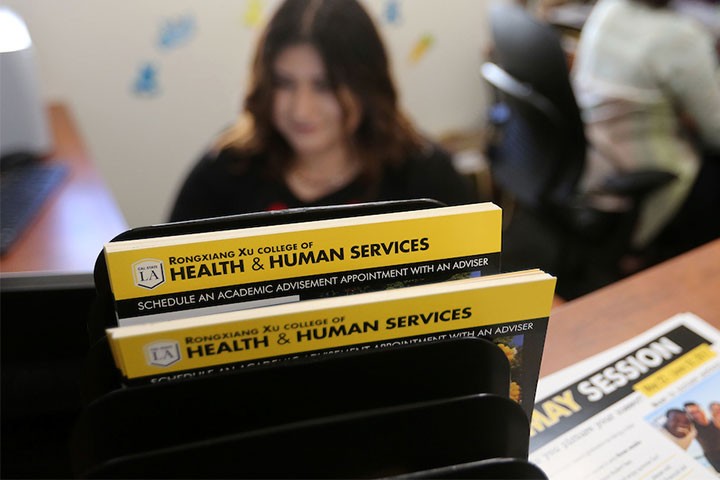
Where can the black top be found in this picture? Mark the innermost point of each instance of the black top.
(214, 188)
(708, 436)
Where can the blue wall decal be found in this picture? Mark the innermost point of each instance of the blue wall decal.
(176, 32)
(392, 12)
(146, 81)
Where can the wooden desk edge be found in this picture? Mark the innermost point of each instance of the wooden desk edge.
(602, 319)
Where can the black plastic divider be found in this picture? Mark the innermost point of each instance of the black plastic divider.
(491, 468)
(366, 444)
(128, 421)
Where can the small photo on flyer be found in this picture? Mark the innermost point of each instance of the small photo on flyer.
(692, 421)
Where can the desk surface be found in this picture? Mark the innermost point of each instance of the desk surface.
(77, 220)
(597, 321)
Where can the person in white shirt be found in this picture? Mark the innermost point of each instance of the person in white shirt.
(645, 78)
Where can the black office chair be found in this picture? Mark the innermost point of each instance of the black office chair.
(538, 159)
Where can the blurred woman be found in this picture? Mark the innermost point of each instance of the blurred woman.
(321, 125)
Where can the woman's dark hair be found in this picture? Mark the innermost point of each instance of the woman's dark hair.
(356, 63)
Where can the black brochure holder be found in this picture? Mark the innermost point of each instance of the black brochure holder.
(430, 410)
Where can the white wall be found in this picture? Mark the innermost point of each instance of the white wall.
(91, 54)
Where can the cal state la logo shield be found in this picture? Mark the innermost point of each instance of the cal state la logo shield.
(163, 353)
(148, 273)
